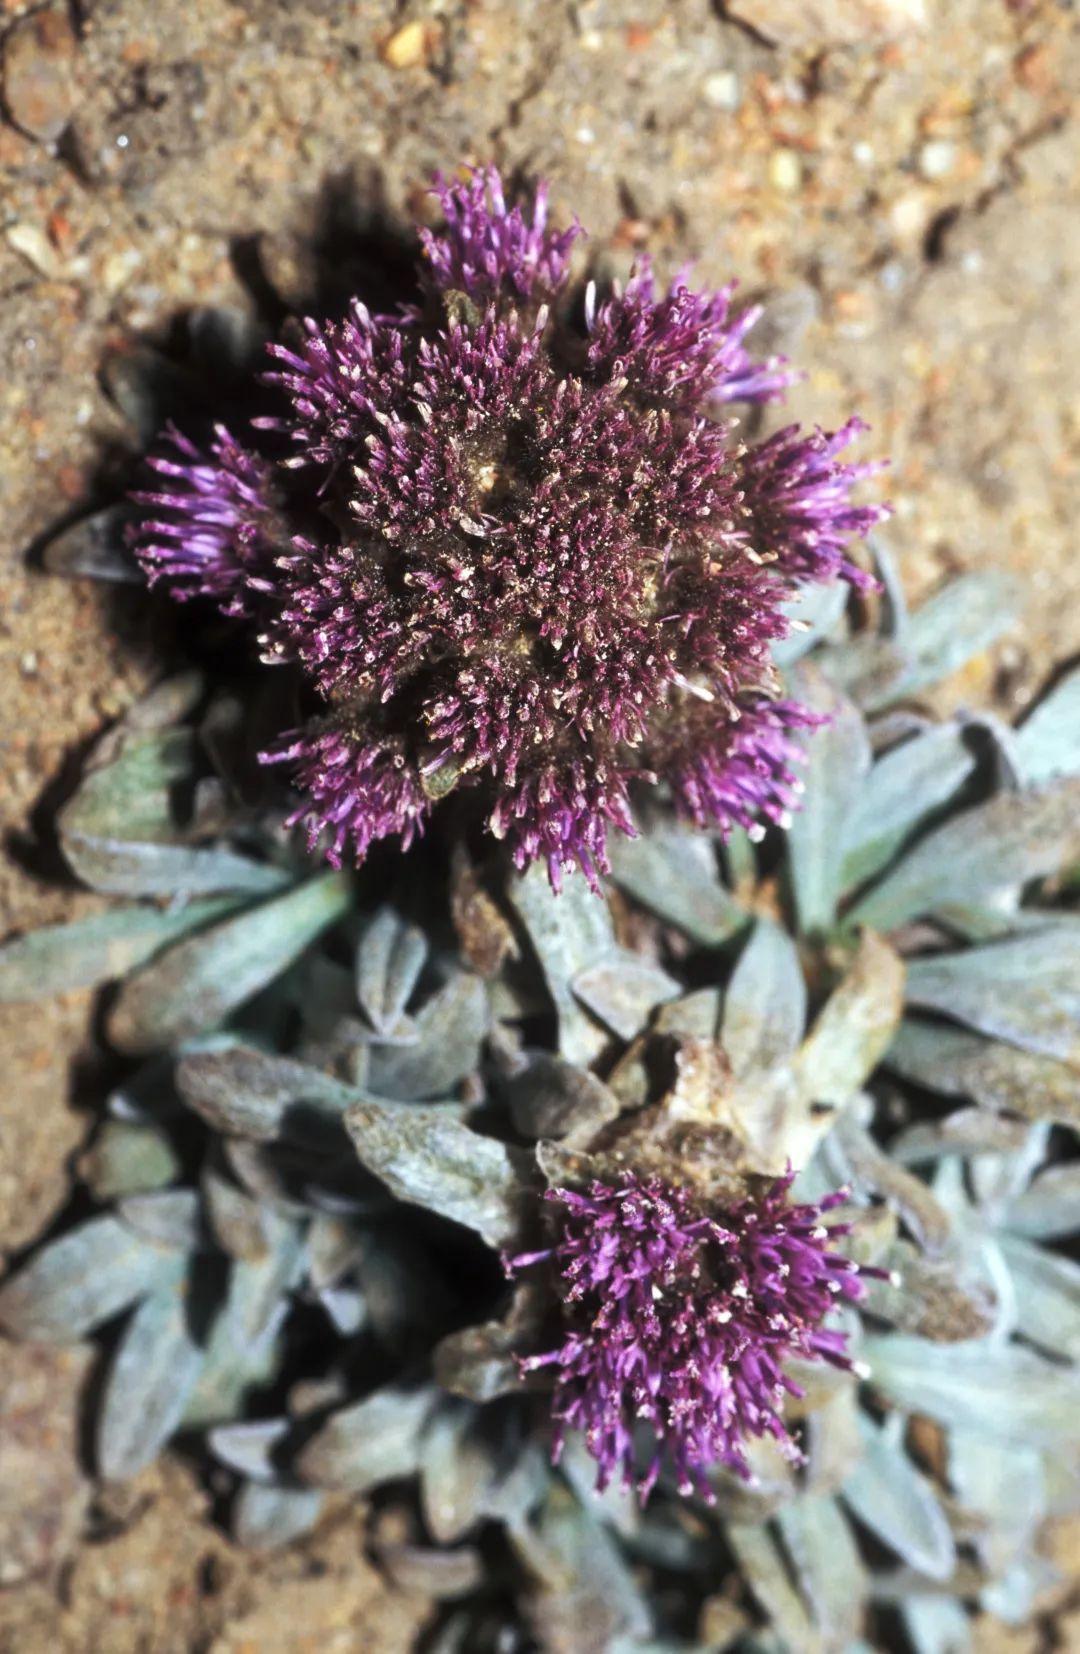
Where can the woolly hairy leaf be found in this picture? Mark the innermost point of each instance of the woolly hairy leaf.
(673, 873)
(764, 1569)
(60, 958)
(623, 991)
(429, 1157)
(995, 1076)
(1047, 1296)
(898, 1504)
(390, 955)
(375, 1440)
(584, 1594)
(127, 1157)
(241, 1350)
(1048, 741)
(86, 1277)
(195, 985)
(900, 791)
(1048, 1207)
(569, 932)
(839, 762)
(855, 1027)
(827, 1564)
(154, 1371)
(1025, 990)
(765, 1002)
(249, 1447)
(449, 1029)
(266, 1517)
(997, 1390)
(1013, 839)
(245, 1092)
(936, 1625)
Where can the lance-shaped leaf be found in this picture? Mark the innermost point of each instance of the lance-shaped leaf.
(86, 1277)
(673, 873)
(814, 612)
(623, 991)
(154, 1370)
(450, 1027)
(127, 1158)
(901, 790)
(429, 1157)
(1049, 1207)
(1025, 989)
(960, 621)
(375, 1440)
(1006, 843)
(995, 1076)
(244, 1092)
(855, 1027)
(569, 932)
(390, 955)
(765, 1003)
(996, 1390)
(1047, 743)
(584, 1595)
(766, 1573)
(194, 986)
(936, 1625)
(267, 1516)
(898, 1504)
(60, 958)
(839, 763)
(827, 1564)
(1047, 1296)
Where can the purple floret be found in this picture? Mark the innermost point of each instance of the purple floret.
(677, 1324)
(514, 557)
(216, 525)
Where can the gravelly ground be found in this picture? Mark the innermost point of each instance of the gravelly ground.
(909, 203)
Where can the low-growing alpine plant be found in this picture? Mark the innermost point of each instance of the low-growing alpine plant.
(512, 546)
(675, 1261)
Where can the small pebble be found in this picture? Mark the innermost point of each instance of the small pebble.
(937, 158)
(37, 73)
(785, 170)
(406, 48)
(722, 91)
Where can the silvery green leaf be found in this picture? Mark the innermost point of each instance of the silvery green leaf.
(1013, 839)
(907, 1194)
(375, 1440)
(694, 1016)
(266, 1516)
(961, 621)
(127, 1157)
(821, 1545)
(95, 548)
(450, 1028)
(815, 611)
(433, 1572)
(897, 1503)
(165, 1217)
(458, 1469)
(552, 1098)
(870, 670)
(998, 1390)
(236, 1222)
(765, 1003)
(429, 1157)
(835, 776)
(855, 1027)
(901, 790)
(936, 1625)
(242, 1347)
(971, 1131)
(673, 873)
(1049, 1207)
(584, 1594)
(1047, 1296)
(479, 1362)
(623, 991)
(948, 1299)
(154, 1370)
(390, 955)
(1016, 1595)
(245, 1092)
(1004, 1487)
(833, 1444)
(1024, 990)
(1047, 743)
(569, 932)
(197, 983)
(995, 1076)
(251, 1447)
(60, 958)
(764, 1569)
(80, 1280)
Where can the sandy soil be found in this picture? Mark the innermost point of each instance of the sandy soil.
(908, 199)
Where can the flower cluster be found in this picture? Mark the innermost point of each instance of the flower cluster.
(511, 546)
(682, 1321)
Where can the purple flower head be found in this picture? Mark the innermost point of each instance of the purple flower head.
(218, 523)
(677, 1323)
(512, 552)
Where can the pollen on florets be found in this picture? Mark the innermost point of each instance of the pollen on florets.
(677, 1323)
(512, 548)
